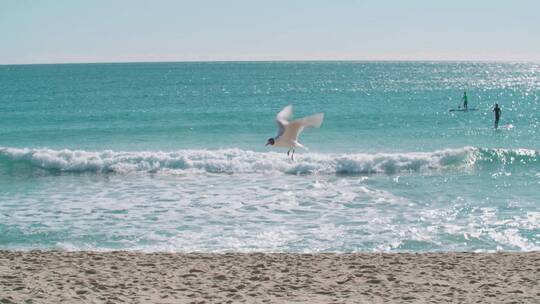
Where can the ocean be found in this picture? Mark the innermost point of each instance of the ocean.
(172, 157)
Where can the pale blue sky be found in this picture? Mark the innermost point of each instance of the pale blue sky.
(114, 31)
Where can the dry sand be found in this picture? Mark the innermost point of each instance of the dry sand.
(128, 277)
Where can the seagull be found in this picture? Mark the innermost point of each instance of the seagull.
(288, 130)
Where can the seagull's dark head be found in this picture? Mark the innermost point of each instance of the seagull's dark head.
(270, 142)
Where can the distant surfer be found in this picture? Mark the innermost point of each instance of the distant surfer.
(497, 112)
(465, 104)
(465, 100)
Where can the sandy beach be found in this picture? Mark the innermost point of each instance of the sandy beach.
(132, 277)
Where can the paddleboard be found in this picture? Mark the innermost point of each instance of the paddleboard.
(463, 110)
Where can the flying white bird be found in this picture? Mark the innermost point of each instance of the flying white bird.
(288, 130)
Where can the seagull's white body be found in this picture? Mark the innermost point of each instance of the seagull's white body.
(288, 130)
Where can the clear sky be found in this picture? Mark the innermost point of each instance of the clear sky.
(132, 30)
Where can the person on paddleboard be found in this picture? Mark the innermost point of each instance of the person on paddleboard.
(465, 100)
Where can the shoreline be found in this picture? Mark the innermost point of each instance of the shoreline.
(136, 277)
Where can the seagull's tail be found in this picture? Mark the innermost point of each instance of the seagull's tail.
(313, 121)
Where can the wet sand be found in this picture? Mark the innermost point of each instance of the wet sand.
(132, 277)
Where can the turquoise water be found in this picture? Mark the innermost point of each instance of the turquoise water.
(171, 157)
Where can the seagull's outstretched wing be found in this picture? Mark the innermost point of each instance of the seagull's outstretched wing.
(295, 127)
(282, 119)
(313, 121)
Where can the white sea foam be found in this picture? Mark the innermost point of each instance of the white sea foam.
(240, 161)
(219, 213)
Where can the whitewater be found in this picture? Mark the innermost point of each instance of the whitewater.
(171, 157)
(239, 161)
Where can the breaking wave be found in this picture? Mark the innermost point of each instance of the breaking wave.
(233, 161)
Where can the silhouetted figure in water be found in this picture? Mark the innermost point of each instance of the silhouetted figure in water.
(465, 100)
(497, 111)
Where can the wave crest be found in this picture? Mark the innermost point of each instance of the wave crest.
(240, 161)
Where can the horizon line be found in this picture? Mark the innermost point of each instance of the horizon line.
(280, 60)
